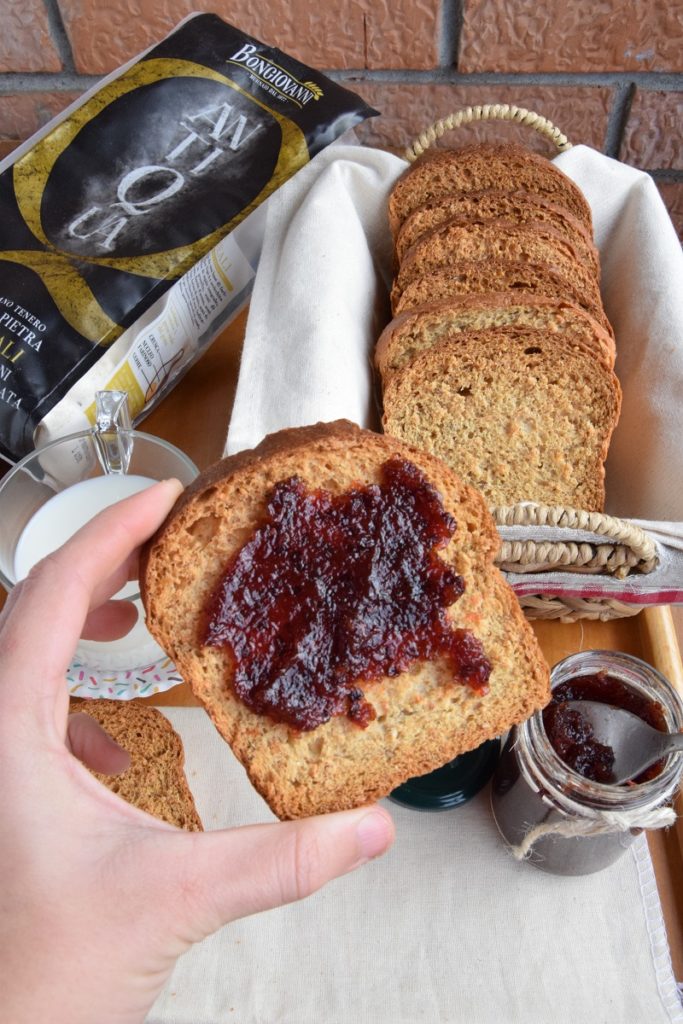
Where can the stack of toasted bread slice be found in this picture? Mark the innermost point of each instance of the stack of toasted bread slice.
(500, 357)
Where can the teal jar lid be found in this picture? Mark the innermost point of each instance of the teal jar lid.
(454, 784)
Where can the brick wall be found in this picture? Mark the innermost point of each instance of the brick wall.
(609, 73)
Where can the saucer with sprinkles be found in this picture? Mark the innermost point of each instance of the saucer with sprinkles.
(120, 684)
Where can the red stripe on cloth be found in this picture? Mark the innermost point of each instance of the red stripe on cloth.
(627, 596)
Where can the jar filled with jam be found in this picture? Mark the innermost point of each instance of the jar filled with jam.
(552, 798)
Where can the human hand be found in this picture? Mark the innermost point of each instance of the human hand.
(98, 898)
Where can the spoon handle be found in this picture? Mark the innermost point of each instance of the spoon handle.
(673, 743)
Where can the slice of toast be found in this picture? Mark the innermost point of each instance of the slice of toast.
(519, 416)
(458, 240)
(505, 167)
(519, 207)
(479, 277)
(567, 326)
(155, 780)
(424, 715)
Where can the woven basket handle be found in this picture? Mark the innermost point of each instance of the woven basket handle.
(489, 112)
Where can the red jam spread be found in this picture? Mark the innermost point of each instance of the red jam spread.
(571, 735)
(331, 591)
(574, 742)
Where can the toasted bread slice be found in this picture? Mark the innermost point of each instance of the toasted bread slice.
(520, 207)
(424, 715)
(477, 277)
(505, 167)
(457, 240)
(155, 781)
(565, 325)
(515, 414)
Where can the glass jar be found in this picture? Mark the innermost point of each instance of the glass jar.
(533, 788)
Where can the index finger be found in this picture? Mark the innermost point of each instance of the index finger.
(44, 616)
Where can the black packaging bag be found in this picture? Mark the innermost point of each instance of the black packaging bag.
(101, 213)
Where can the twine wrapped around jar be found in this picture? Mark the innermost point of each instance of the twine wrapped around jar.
(605, 823)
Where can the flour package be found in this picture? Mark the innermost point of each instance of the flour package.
(131, 227)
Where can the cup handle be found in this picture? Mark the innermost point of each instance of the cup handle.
(112, 432)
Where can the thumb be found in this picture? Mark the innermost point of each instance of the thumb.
(230, 874)
(87, 740)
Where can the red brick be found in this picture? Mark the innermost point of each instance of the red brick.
(25, 42)
(526, 36)
(406, 110)
(24, 113)
(349, 34)
(402, 34)
(672, 194)
(6, 147)
(652, 139)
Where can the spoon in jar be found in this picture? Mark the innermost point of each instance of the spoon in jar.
(636, 745)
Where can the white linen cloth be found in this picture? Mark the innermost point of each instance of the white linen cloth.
(320, 300)
(447, 927)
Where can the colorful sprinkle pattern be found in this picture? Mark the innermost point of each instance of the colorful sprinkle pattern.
(124, 685)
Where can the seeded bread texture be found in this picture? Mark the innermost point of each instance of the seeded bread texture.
(424, 717)
(515, 207)
(513, 413)
(506, 167)
(479, 277)
(565, 326)
(155, 782)
(458, 240)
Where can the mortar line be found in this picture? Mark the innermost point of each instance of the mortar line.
(450, 32)
(647, 81)
(59, 35)
(667, 175)
(46, 81)
(365, 39)
(618, 118)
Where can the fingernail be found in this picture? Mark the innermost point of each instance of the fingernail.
(375, 833)
(171, 484)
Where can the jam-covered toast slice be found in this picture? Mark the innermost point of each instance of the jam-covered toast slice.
(331, 599)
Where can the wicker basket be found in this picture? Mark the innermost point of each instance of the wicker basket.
(621, 550)
(618, 548)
